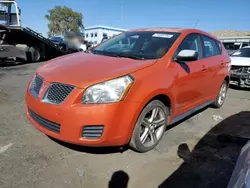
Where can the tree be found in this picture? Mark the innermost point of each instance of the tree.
(63, 20)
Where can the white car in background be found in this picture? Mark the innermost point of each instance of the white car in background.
(240, 67)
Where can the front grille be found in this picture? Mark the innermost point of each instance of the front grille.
(52, 126)
(36, 85)
(92, 132)
(57, 93)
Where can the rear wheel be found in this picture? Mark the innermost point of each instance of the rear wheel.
(35, 54)
(150, 127)
(221, 97)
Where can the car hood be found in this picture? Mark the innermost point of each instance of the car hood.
(240, 61)
(83, 69)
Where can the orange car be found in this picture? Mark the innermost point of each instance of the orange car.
(129, 88)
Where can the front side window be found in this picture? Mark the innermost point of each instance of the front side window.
(141, 45)
(243, 52)
(191, 42)
(211, 47)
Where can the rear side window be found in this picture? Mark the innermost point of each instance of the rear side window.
(211, 47)
(191, 42)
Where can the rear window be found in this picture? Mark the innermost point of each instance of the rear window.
(231, 45)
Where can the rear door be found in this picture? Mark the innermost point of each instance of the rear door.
(190, 81)
(214, 64)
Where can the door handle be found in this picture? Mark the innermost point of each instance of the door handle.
(204, 69)
(222, 63)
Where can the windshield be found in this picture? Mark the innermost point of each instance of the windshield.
(56, 39)
(8, 13)
(138, 45)
(243, 52)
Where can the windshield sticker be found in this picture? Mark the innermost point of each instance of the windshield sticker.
(162, 35)
(237, 53)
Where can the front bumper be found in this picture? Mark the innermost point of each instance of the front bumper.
(118, 119)
(241, 79)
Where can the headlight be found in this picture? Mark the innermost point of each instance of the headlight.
(107, 92)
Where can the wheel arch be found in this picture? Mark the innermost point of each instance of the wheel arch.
(227, 79)
(162, 95)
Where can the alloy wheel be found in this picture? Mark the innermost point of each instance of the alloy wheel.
(152, 127)
(222, 94)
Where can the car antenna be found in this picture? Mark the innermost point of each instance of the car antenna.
(196, 23)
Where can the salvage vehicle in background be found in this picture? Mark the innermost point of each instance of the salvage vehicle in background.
(58, 41)
(240, 67)
(232, 44)
(129, 88)
(23, 44)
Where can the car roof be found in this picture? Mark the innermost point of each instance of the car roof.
(174, 30)
(160, 29)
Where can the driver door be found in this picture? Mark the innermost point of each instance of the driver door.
(190, 81)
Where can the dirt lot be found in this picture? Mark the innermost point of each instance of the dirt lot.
(195, 153)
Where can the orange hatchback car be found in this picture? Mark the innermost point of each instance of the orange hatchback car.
(129, 88)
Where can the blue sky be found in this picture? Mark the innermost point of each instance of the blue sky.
(210, 15)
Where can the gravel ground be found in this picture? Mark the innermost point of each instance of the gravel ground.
(199, 152)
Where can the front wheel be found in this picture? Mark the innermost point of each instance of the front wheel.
(150, 127)
(221, 97)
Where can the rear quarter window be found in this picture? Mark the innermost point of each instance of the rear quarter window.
(219, 46)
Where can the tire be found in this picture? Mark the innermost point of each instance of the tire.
(220, 99)
(35, 54)
(149, 128)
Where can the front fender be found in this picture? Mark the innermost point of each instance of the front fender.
(144, 102)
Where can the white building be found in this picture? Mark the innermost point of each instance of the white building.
(95, 34)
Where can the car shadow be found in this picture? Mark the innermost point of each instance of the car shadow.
(211, 162)
(10, 63)
(185, 66)
(92, 150)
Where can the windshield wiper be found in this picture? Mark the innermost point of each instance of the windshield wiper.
(131, 56)
(107, 53)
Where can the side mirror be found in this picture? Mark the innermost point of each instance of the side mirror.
(187, 55)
